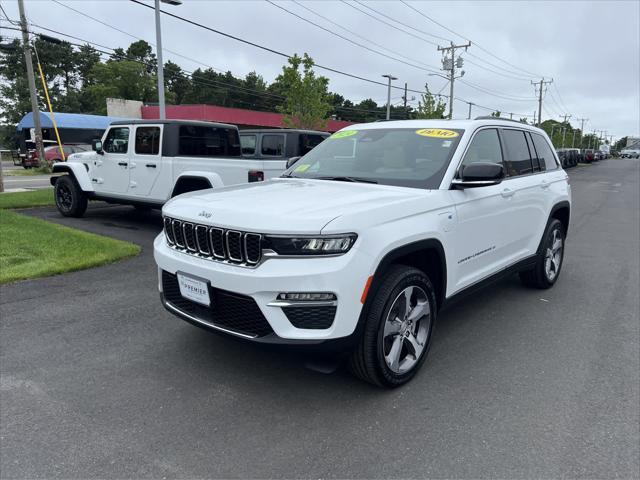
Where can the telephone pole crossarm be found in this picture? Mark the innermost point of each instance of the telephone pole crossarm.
(451, 68)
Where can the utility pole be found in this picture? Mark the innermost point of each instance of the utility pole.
(451, 68)
(35, 109)
(541, 83)
(582, 120)
(564, 132)
(404, 99)
(161, 104)
(390, 77)
(470, 104)
(573, 140)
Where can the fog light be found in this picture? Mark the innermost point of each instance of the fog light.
(307, 297)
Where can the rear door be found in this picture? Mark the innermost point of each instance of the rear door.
(273, 147)
(146, 160)
(112, 168)
(525, 188)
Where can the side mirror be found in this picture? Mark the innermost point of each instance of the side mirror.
(291, 161)
(96, 145)
(481, 174)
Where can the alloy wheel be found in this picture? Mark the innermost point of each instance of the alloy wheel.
(406, 329)
(553, 256)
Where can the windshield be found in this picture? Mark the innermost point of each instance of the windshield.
(390, 156)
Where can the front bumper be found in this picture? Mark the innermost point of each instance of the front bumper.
(345, 276)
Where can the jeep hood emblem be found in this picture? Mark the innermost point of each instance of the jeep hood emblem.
(205, 214)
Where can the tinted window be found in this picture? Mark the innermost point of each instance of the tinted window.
(544, 152)
(273, 145)
(536, 163)
(199, 141)
(248, 143)
(485, 147)
(117, 140)
(147, 140)
(389, 156)
(308, 142)
(517, 159)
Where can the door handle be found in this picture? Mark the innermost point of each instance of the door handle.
(150, 165)
(123, 164)
(544, 184)
(507, 192)
(98, 162)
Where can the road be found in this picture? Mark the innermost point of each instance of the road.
(30, 182)
(99, 381)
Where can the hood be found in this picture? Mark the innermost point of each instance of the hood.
(300, 206)
(81, 156)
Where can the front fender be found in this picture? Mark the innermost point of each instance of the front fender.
(77, 171)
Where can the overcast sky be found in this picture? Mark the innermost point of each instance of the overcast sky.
(590, 49)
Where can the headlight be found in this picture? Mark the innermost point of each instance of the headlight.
(320, 245)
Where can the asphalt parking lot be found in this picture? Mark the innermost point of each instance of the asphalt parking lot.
(97, 380)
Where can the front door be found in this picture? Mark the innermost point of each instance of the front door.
(112, 167)
(480, 243)
(146, 160)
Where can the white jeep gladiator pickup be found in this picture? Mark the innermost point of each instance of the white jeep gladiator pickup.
(367, 237)
(147, 162)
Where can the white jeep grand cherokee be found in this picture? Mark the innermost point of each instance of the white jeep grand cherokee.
(367, 237)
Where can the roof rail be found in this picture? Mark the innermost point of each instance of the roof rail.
(491, 117)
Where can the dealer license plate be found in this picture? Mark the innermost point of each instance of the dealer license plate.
(194, 289)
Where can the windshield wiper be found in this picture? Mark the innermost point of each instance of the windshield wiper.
(347, 179)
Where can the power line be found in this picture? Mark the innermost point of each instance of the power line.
(498, 95)
(358, 35)
(348, 39)
(468, 39)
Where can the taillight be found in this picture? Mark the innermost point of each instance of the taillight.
(256, 176)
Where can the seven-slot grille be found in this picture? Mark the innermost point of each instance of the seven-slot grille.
(215, 243)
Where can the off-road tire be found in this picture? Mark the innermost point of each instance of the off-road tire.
(70, 199)
(537, 276)
(367, 361)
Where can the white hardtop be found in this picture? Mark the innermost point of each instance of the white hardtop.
(444, 124)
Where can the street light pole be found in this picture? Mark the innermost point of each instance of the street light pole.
(390, 77)
(161, 103)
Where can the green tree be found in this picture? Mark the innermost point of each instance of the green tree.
(176, 81)
(305, 104)
(496, 114)
(429, 106)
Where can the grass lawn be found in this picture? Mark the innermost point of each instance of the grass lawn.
(22, 172)
(31, 248)
(34, 198)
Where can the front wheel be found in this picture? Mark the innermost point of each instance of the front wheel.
(397, 330)
(70, 199)
(550, 258)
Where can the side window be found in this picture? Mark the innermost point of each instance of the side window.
(147, 140)
(544, 152)
(308, 142)
(117, 140)
(248, 144)
(485, 147)
(536, 161)
(517, 159)
(199, 141)
(273, 145)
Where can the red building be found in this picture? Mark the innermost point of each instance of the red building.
(235, 116)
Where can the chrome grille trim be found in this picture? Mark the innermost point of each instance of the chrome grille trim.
(177, 232)
(206, 252)
(187, 230)
(228, 234)
(214, 243)
(249, 259)
(219, 253)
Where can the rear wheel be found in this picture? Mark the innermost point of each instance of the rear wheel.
(550, 257)
(70, 199)
(397, 330)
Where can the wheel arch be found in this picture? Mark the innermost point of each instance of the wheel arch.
(76, 170)
(192, 181)
(561, 211)
(427, 255)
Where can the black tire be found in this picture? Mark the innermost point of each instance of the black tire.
(367, 361)
(70, 199)
(539, 276)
